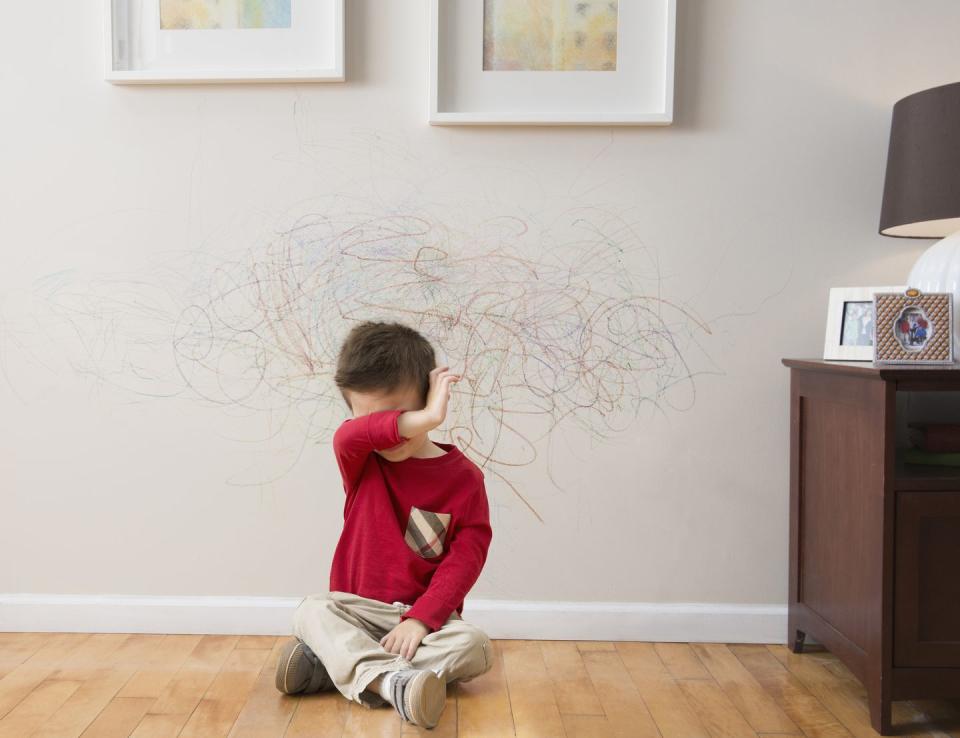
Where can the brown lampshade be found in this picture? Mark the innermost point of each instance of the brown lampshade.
(921, 193)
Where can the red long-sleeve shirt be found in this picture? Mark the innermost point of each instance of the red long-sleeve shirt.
(372, 558)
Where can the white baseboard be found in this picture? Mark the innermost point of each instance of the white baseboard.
(630, 621)
(604, 621)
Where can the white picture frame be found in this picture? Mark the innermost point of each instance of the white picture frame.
(138, 51)
(839, 311)
(639, 92)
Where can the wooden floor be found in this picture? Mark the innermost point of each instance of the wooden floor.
(179, 685)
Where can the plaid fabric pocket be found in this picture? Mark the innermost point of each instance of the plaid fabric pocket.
(426, 531)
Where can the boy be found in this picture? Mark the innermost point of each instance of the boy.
(415, 538)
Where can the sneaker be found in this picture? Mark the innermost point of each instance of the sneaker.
(419, 695)
(299, 671)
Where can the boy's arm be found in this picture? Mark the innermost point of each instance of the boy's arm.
(454, 578)
(357, 438)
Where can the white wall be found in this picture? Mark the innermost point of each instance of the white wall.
(763, 194)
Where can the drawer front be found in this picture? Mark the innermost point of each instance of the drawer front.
(927, 580)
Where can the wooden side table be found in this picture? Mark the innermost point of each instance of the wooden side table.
(874, 543)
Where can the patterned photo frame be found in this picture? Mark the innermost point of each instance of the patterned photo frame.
(913, 328)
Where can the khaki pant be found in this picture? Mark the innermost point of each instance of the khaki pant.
(344, 631)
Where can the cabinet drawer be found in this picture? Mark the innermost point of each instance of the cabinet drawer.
(927, 579)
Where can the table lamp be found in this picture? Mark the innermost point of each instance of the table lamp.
(921, 191)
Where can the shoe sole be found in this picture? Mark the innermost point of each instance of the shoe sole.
(288, 662)
(425, 696)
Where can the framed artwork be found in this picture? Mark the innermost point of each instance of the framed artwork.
(850, 328)
(913, 327)
(157, 41)
(551, 62)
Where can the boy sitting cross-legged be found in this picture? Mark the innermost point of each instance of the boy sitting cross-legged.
(415, 538)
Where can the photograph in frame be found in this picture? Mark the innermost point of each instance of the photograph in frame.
(913, 327)
(548, 35)
(849, 331)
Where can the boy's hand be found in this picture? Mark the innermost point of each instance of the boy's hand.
(405, 638)
(438, 395)
(416, 422)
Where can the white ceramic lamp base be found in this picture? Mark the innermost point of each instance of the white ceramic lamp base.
(938, 270)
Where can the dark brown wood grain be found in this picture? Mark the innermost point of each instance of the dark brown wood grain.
(927, 616)
(874, 543)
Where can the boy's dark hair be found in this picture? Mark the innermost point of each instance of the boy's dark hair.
(380, 356)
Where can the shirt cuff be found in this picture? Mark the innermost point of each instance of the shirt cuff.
(431, 611)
